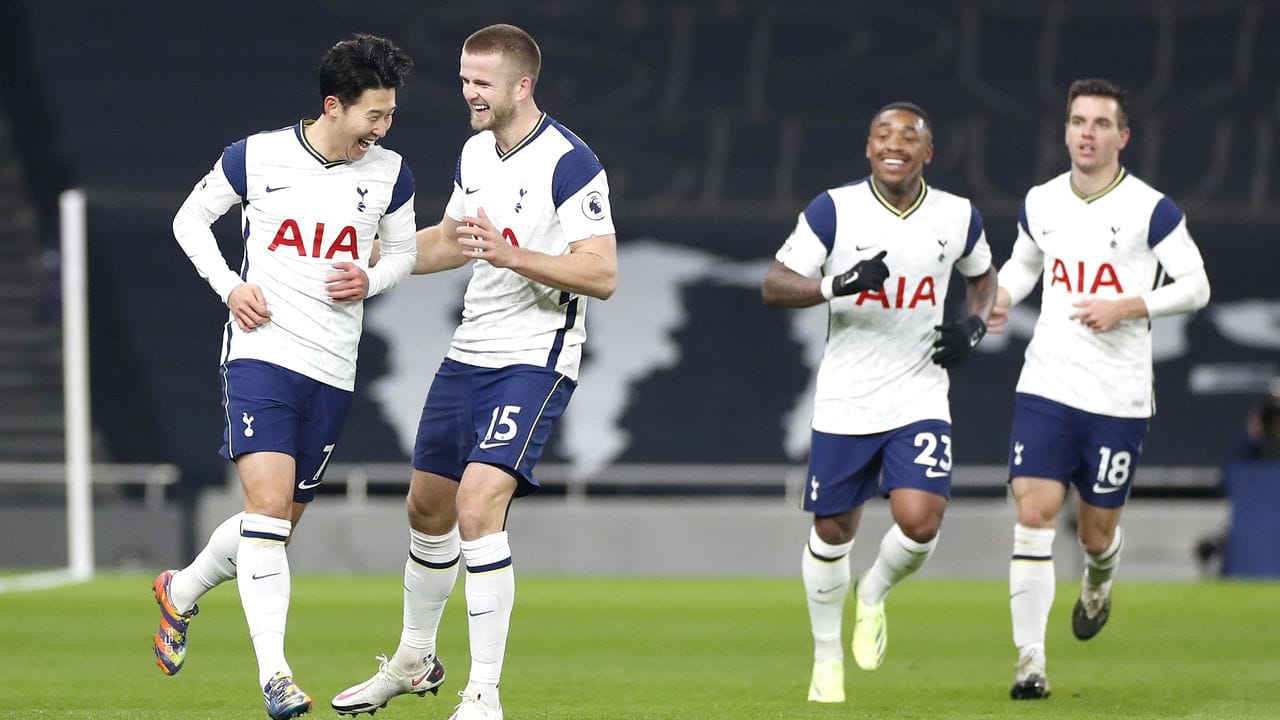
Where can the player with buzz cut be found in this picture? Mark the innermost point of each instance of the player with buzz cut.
(879, 253)
(530, 212)
(1103, 241)
(313, 198)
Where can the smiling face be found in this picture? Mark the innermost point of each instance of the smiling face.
(899, 146)
(358, 126)
(1094, 135)
(491, 89)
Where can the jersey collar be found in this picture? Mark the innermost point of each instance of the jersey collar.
(924, 190)
(306, 144)
(1090, 198)
(543, 122)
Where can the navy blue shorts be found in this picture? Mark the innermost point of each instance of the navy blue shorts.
(846, 470)
(269, 408)
(496, 416)
(1097, 453)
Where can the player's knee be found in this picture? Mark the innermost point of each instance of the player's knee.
(436, 519)
(1095, 540)
(921, 529)
(1029, 515)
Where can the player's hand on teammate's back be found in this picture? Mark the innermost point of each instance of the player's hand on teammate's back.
(956, 339)
(349, 283)
(248, 306)
(864, 275)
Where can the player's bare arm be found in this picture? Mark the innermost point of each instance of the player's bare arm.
(981, 292)
(438, 248)
(589, 268)
(786, 288)
(999, 312)
(248, 305)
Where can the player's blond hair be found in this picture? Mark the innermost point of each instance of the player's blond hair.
(515, 44)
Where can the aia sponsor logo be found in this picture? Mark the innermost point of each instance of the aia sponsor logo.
(289, 235)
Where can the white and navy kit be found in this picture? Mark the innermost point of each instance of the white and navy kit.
(876, 380)
(300, 214)
(513, 363)
(543, 194)
(1085, 397)
(1116, 243)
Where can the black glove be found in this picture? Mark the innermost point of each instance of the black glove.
(865, 275)
(956, 339)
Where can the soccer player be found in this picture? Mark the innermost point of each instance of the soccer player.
(880, 252)
(530, 210)
(1103, 240)
(313, 197)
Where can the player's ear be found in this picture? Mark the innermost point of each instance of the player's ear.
(331, 106)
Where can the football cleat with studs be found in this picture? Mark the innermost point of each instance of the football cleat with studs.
(385, 684)
(1091, 612)
(171, 638)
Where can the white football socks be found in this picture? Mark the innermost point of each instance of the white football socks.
(899, 557)
(491, 592)
(1100, 568)
(429, 576)
(825, 570)
(263, 579)
(215, 565)
(1031, 586)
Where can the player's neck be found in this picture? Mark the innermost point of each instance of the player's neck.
(524, 122)
(900, 197)
(1089, 182)
(320, 136)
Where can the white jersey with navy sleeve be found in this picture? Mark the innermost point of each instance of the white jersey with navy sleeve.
(545, 193)
(876, 374)
(300, 214)
(1116, 243)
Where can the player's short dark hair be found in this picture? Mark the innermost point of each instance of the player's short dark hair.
(910, 107)
(517, 45)
(362, 62)
(1099, 87)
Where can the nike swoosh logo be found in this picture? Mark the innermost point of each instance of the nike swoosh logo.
(1103, 490)
(469, 191)
(931, 473)
(273, 189)
(486, 612)
(860, 248)
(304, 486)
(485, 445)
(420, 679)
(1020, 592)
(261, 577)
(824, 591)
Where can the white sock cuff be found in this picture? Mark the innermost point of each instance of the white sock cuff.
(825, 551)
(1032, 543)
(434, 551)
(265, 527)
(910, 545)
(491, 552)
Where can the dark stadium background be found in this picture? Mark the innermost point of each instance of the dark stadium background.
(717, 122)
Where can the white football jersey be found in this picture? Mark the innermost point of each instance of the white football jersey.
(300, 214)
(1113, 244)
(876, 374)
(543, 194)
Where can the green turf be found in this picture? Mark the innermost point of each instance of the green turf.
(632, 649)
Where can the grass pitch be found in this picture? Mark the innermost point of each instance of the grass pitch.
(656, 648)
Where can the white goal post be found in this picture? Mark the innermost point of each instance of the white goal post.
(75, 394)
